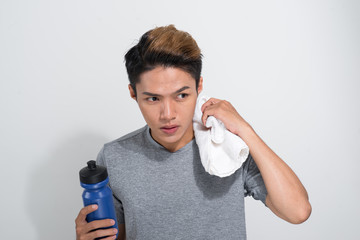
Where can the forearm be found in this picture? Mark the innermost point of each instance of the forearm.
(287, 197)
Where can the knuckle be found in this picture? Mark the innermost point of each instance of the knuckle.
(78, 219)
(97, 234)
(78, 230)
(96, 224)
(82, 211)
(92, 225)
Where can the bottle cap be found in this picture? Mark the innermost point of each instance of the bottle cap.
(93, 173)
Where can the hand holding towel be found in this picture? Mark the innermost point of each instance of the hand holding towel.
(221, 152)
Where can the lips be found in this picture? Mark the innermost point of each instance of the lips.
(170, 129)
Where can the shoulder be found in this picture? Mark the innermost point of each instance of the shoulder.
(130, 137)
(123, 147)
(127, 142)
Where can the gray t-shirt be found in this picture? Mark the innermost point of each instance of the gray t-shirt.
(163, 195)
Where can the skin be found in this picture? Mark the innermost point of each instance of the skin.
(287, 197)
(85, 230)
(167, 97)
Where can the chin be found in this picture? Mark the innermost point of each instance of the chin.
(171, 139)
(177, 137)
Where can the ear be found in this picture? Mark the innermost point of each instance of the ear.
(200, 87)
(132, 93)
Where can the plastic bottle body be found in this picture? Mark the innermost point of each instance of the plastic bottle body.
(100, 194)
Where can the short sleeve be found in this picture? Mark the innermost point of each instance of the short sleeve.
(253, 182)
(117, 203)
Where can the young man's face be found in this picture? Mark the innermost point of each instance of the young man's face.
(167, 99)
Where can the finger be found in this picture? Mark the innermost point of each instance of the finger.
(88, 228)
(110, 233)
(208, 103)
(81, 218)
(110, 237)
(209, 111)
(105, 223)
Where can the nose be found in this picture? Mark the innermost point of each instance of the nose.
(168, 111)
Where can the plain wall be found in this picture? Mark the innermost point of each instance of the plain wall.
(291, 69)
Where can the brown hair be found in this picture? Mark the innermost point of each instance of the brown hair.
(172, 41)
(164, 46)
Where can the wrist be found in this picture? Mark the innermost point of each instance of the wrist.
(245, 130)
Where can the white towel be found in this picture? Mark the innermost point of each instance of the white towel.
(221, 152)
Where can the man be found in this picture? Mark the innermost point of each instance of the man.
(161, 190)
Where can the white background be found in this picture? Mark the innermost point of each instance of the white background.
(291, 68)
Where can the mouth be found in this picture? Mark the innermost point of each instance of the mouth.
(169, 129)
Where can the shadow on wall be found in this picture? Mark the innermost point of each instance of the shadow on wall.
(54, 192)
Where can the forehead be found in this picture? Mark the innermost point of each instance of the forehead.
(165, 80)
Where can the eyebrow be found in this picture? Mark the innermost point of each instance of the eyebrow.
(158, 95)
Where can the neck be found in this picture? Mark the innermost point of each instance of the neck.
(173, 147)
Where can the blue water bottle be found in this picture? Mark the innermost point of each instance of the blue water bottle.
(94, 179)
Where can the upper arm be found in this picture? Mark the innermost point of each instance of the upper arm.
(253, 182)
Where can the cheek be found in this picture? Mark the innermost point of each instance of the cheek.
(188, 111)
(149, 113)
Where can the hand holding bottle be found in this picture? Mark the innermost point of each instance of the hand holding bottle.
(98, 215)
(93, 230)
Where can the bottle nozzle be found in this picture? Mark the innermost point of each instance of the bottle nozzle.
(91, 165)
(93, 173)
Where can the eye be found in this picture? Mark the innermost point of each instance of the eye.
(183, 95)
(152, 99)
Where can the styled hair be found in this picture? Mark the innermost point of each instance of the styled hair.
(167, 47)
